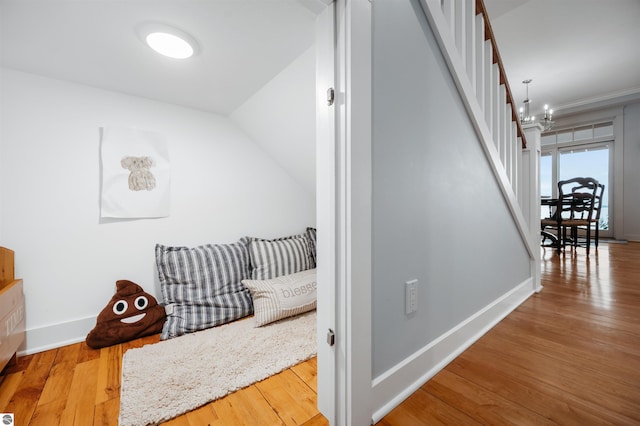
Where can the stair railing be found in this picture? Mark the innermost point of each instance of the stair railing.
(466, 39)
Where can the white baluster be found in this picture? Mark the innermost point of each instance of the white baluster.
(460, 29)
(508, 143)
(488, 79)
(516, 157)
(479, 61)
(447, 10)
(496, 105)
(502, 105)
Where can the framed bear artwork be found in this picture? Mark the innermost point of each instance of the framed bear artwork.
(135, 178)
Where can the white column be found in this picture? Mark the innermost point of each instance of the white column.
(531, 193)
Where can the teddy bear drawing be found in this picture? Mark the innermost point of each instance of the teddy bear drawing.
(140, 177)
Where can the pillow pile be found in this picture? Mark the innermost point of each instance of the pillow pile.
(282, 256)
(311, 235)
(283, 297)
(203, 286)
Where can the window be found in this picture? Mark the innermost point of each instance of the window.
(546, 180)
(583, 151)
(592, 161)
(546, 175)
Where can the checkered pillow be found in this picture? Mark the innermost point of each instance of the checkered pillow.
(202, 286)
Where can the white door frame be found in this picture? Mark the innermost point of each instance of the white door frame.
(326, 210)
(344, 221)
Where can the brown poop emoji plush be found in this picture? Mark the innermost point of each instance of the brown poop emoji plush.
(131, 313)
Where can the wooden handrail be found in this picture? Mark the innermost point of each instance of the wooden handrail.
(488, 35)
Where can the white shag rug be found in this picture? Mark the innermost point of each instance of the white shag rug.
(169, 378)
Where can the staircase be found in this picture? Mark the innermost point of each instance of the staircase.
(464, 33)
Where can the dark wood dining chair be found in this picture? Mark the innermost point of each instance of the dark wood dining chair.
(582, 201)
(594, 222)
(574, 208)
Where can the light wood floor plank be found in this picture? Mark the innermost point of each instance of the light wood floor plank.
(87, 354)
(109, 373)
(202, 416)
(290, 397)
(567, 376)
(28, 393)
(546, 400)
(549, 401)
(48, 414)
(245, 408)
(308, 372)
(422, 408)
(591, 353)
(106, 413)
(483, 405)
(317, 420)
(80, 407)
(8, 388)
(179, 421)
(59, 380)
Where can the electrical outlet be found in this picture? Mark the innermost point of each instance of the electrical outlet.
(411, 296)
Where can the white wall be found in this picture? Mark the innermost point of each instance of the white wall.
(223, 187)
(1, 209)
(2, 96)
(632, 172)
(280, 117)
(439, 215)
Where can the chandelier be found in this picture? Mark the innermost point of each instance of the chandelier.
(526, 117)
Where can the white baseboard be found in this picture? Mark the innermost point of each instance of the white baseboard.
(56, 335)
(398, 383)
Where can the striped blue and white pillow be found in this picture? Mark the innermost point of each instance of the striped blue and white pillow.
(202, 286)
(311, 235)
(282, 297)
(282, 256)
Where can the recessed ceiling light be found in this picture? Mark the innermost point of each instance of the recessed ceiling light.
(168, 41)
(169, 45)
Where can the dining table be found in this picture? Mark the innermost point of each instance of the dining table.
(556, 241)
(546, 235)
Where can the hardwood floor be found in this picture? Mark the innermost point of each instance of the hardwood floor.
(76, 385)
(569, 355)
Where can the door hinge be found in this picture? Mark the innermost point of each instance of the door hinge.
(330, 96)
(331, 338)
